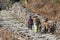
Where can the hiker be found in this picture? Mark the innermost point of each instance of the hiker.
(53, 27)
(36, 22)
(30, 23)
(46, 25)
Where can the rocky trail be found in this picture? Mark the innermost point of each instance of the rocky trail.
(15, 19)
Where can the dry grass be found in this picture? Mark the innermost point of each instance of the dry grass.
(6, 34)
(48, 8)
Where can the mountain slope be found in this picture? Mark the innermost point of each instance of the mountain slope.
(47, 8)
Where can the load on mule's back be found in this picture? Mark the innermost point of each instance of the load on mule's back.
(36, 22)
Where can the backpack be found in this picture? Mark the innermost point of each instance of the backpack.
(30, 21)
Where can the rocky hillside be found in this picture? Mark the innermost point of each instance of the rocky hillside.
(47, 8)
(15, 19)
(6, 4)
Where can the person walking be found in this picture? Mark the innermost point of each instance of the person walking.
(30, 23)
(46, 25)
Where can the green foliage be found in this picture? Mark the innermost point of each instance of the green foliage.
(56, 1)
(12, 1)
